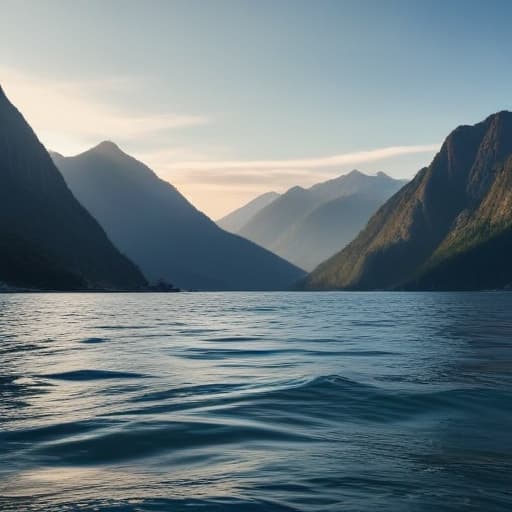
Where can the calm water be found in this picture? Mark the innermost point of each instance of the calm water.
(256, 402)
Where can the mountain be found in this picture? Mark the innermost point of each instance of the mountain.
(47, 239)
(235, 220)
(450, 228)
(306, 226)
(151, 222)
(326, 229)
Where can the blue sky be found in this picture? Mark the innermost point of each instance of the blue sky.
(228, 99)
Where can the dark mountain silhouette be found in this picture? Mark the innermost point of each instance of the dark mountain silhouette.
(448, 229)
(235, 220)
(306, 226)
(47, 239)
(150, 221)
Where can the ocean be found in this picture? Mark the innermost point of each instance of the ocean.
(256, 402)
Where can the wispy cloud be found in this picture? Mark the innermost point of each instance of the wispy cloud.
(340, 160)
(274, 174)
(220, 184)
(68, 116)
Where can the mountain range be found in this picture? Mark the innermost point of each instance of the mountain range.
(108, 222)
(156, 227)
(450, 228)
(48, 240)
(306, 226)
(235, 221)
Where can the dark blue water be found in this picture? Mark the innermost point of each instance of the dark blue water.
(256, 402)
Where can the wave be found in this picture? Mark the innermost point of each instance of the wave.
(140, 439)
(196, 403)
(84, 375)
(94, 340)
(147, 505)
(227, 353)
(349, 400)
(291, 411)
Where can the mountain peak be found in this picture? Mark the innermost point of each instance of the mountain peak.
(500, 114)
(355, 172)
(296, 190)
(107, 147)
(54, 241)
(444, 228)
(164, 234)
(500, 124)
(493, 121)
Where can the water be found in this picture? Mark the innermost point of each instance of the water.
(256, 402)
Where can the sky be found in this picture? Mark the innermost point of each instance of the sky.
(227, 99)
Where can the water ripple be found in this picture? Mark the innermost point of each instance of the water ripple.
(256, 402)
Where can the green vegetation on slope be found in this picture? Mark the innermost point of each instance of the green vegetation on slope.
(441, 229)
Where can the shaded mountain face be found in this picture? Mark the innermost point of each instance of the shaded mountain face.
(47, 239)
(448, 229)
(326, 229)
(306, 226)
(235, 220)
(151, 222)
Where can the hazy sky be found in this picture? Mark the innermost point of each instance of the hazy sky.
(228, 99)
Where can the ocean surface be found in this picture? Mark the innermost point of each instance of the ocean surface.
(256, 402)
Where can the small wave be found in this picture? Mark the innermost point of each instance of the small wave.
(229, 339)
(10, 348)
(81, 375)
(194, 332)
(225, 353)
(54, 432)
(7, 380)
(185, 391)
(94, 340)
(209, 354)
(123, 327)
(143, 439)
(213, 504)
(336, 398)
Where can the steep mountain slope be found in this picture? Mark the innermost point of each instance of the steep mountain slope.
(326, 229)
(149, 220)
(477, 252)
(291, 227)
(449, 228)
(47, 239)
(267, 226)
(235, 220)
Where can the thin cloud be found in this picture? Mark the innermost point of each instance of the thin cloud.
(71, 115)
(340, 160)
(220, 185)
(279, 178)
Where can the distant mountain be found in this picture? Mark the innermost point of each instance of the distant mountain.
(448, 229)
(150, 221)
(304, 227)
(235, 220)
(329, 227)
(47, 239)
